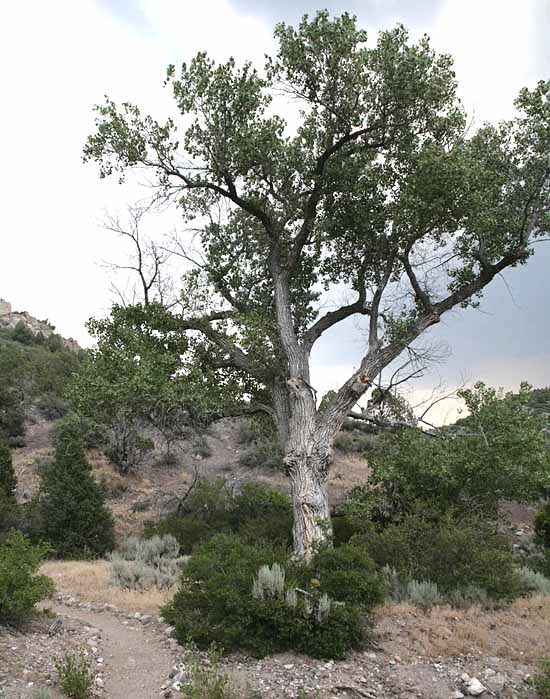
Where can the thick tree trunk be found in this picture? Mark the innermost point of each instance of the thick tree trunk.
(308, 483)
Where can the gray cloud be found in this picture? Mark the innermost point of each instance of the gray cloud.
(540, 39)
(371, 12)
(503, 343)
(128, 11)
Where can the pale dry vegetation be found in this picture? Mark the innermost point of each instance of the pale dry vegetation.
(520, 632)
(90, 581)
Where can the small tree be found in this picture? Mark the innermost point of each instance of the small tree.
(75, 519)
(20, 586)
(380, 188)
(8, 479)
(497, 453)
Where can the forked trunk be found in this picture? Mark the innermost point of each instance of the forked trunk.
(308, 483)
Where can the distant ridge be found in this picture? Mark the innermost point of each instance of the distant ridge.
(10, 319)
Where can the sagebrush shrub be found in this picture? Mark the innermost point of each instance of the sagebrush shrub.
(269, 582)
(20, 587)
(534, 581)
(140, 564)
(469, 596)
(253, 597)
(75, 676)
(423, 594)
(426, 594)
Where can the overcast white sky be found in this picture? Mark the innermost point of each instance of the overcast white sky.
(58, 58)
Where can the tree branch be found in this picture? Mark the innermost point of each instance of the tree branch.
(310, 209)
(421, 296)
(229, 193)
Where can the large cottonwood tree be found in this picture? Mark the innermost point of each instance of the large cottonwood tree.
(382, 188)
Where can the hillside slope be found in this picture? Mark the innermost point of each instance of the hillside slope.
(149, 491)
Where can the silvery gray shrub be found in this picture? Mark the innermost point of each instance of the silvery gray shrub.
(141, 564)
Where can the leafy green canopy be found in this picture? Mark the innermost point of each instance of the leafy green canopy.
(144, 369)
(498, 452)
(380, 187)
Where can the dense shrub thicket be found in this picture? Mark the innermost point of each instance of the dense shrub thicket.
(452, 554)
(260, 446)
(20, 587)
(418, 530)
(8, 480)
(542, 526)
(498, 452)
(256, 513)
(75, 519)
(34, 370)
(253, 597)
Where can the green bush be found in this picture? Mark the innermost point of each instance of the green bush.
(453, 555)
(260, 514)
(539, 561)
(232, 594)
(352, 441)
(498, 452)
(10, 515)
(260, 447)
(185, 528)
(75, 676)
(8, 480)
(355, 514)
(52, 406)
(541, 680)
(256, 513)
(265, 454)
(542, 526)
(204, 513)
(74, 516)
(348, 574)
(20, 587)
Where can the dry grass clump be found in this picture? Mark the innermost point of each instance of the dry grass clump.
(90, 581)
(519, 632)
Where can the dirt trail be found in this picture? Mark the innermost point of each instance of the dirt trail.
(137, 663)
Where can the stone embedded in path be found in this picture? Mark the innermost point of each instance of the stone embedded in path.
(474, 687)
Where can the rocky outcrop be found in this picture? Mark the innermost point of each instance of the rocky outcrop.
(10, 319)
